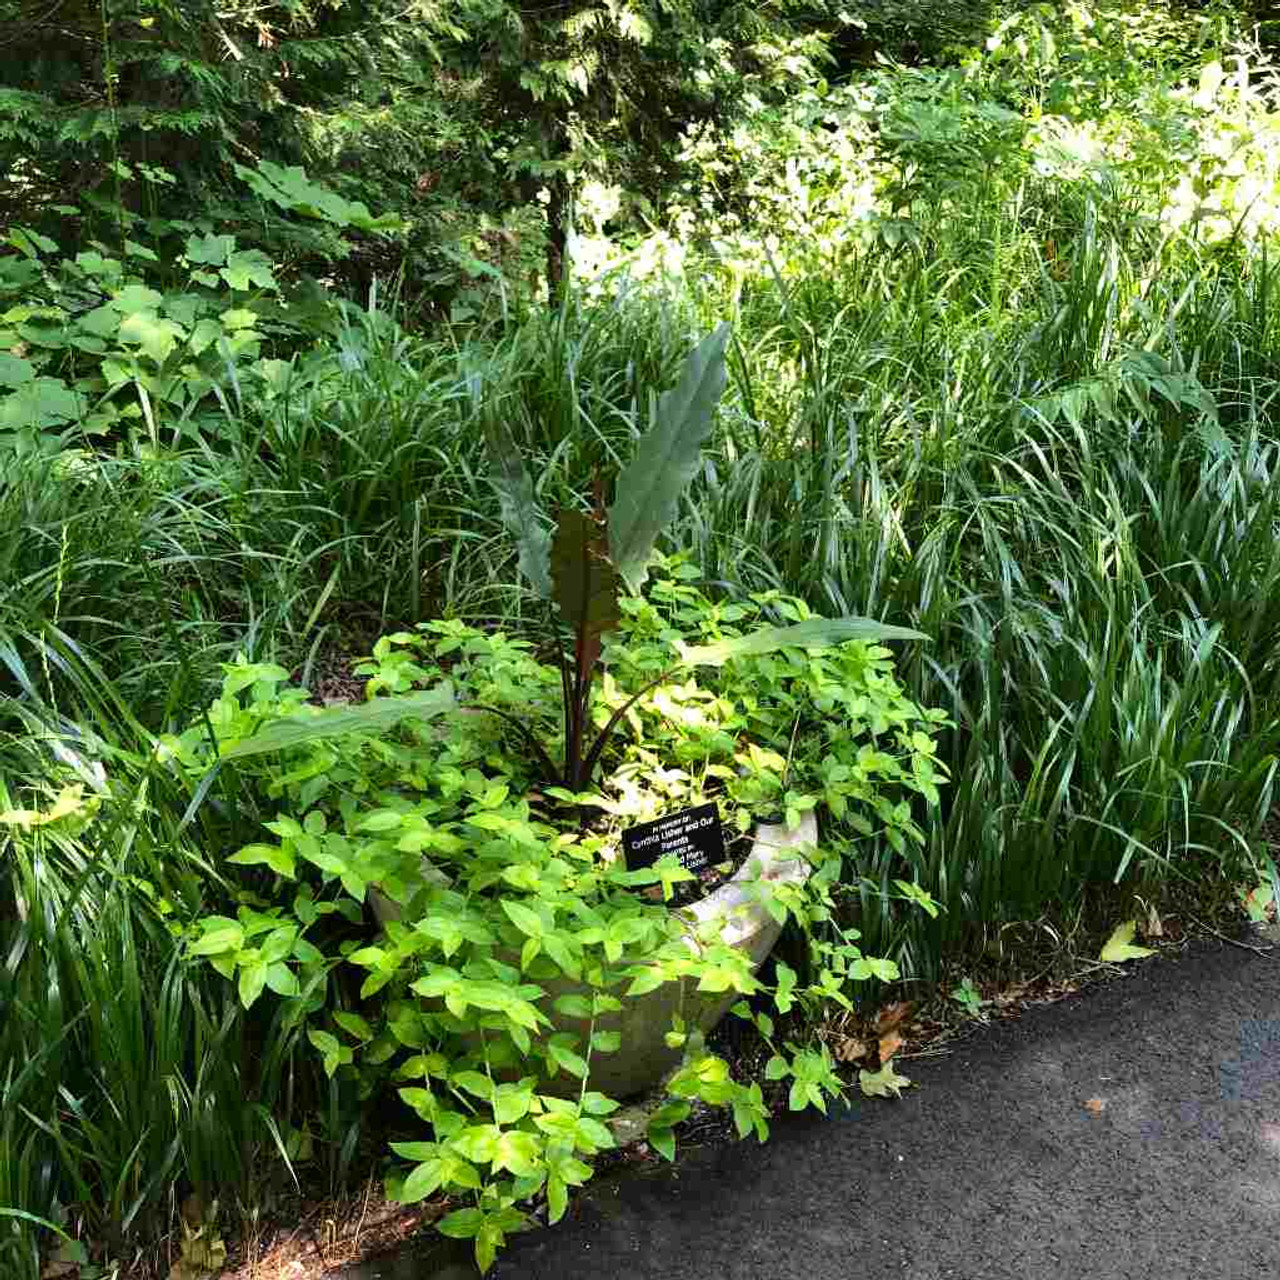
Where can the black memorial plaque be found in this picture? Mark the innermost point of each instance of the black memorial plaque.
(693, 835)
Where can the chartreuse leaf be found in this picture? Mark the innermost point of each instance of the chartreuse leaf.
(220, 935)
(1120, 946)
(487, 1229)
(332, 722)
(564, 1170)
(813, 633)
(666, 459)
(528, 921)
(882, 1083)
(253, 977)
(520, 511)
(275, 856)
(353, 1024)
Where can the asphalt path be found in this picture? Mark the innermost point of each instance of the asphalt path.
(1128, 1132)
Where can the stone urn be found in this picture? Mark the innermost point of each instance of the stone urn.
(643, 1022)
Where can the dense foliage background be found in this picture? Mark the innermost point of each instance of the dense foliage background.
(1005, 360)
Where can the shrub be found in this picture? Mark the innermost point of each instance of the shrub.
(524, 887)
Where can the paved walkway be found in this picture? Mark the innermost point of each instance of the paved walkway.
(994, 1168)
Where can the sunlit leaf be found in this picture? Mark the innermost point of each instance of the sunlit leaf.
(666, 459)
(1119, 946)
(332, 722)
(814, 633)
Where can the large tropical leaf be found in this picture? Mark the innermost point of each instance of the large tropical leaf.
(585, 584)
(520, 511)
(666, 459)
(815, 633)
(333, 722)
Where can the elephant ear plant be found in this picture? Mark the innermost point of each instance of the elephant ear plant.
(522, 936)
(579, 569)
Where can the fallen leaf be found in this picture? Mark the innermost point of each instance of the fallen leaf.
(71, 1255)
(1096, 1105)
(883, 1083)
(1119, 946)
(890, 1043)
(892, 1014)
(1155, 926)
(850, 1050)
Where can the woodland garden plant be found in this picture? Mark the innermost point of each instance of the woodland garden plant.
(501, 855)
(1003, 371)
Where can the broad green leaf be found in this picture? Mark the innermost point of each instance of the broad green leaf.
(135, 298)
(1119, 946)
(155, 336)
(461, 1224)
(777, 1068)
(649, 488)
(565, 1057)
(204, 335)
(14, 371)
(41, 402)
(663, 1141)
(416, 1150)
(237, 318)
(291, 189)
(247, 268)
(814, 633)
(511, 1102)
(556, 947)
(423, 1181)
(520, 511)
(282, 980)
(528, 921)
(220, 935)
(253, 977)
(573, 1006)
(478, 1142)
(557, 1198)
(275, 856)
(472, 1082)
(518, 1152)
(421, 1100)
(353, 1024)
(333, 722)
(209, 250)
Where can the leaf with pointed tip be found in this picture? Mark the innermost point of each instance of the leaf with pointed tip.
(585, 584)
(813, 633)
(520, 511)
(883, 1083)
(333, 722)
(1120, 945)
(666, 459)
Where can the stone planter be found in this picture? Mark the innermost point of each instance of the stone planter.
(643, 1022)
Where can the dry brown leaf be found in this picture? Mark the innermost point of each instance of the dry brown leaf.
(1096, 1105)
(1154, 927)
(890, 1043)
(892, 1014)
(851, 1050)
